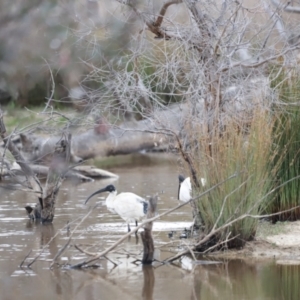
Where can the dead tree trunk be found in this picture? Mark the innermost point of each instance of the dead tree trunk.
(146, 235)
(57, 170)
(45, 207)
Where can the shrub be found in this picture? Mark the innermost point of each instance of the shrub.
(241, 150)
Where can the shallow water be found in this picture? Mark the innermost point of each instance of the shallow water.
(145, 175)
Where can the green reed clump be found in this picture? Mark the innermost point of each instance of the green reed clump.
(245, 153)
(286, 137)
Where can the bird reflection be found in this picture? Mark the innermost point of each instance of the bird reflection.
(136, 238)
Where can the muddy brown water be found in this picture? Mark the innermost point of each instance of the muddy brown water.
(144, 175)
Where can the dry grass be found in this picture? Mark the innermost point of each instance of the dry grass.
(286, 136)
(231, 152)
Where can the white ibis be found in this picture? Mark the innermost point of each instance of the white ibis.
(185, 188)
(129, 206)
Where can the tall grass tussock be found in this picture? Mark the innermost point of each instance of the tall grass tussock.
(238, 149)
(286, 137)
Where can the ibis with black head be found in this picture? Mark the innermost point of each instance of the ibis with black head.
(129, 206)
(185, 188)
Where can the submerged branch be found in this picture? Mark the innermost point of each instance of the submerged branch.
(63, 248)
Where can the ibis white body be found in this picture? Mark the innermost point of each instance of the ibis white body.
(129, 206)
(185, 188)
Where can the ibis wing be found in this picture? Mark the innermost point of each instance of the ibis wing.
(144, 203)
(130, 207)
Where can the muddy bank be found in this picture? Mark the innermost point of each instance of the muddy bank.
(280, 242)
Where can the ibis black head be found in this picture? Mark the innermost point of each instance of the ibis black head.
(29, 209)
(181, 178)
(110, 188)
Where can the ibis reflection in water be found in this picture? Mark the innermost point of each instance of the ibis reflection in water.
(129, 206)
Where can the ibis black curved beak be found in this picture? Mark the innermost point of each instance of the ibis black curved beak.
(97, 192)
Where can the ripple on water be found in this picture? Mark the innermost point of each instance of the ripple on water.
(10, 219)
(23, 272)
(121, 227)
(7, 250)
(15, 233)
(104, 227)
(9, 207)
(188, 263)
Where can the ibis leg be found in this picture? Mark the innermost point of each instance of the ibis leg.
(128, 228)
(136, 224)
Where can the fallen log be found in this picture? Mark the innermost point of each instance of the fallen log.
(93, 172)
(129, 137)
(80, 173)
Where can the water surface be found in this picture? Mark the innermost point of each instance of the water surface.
(144, 175)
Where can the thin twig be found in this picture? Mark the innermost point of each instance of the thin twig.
(219, 244)
(224, 202)
(255, 65)
(21, 264)
(111, 261)
(191, 251)
(84, 251)
(61, 251)
(53, 87)
(50, 241)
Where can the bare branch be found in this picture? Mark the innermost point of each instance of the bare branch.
(217, 245)
(163, 11)
(64, 247)
(286, 7)
(84, 251)
(52, 89)
(33, 181)
(21, 264)
(263, 62)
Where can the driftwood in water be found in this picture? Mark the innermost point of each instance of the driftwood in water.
(57, 170)
(42, 171)
(146, 235)
(45, 209)
(14, 173)
(46, 196)
(93, 172)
